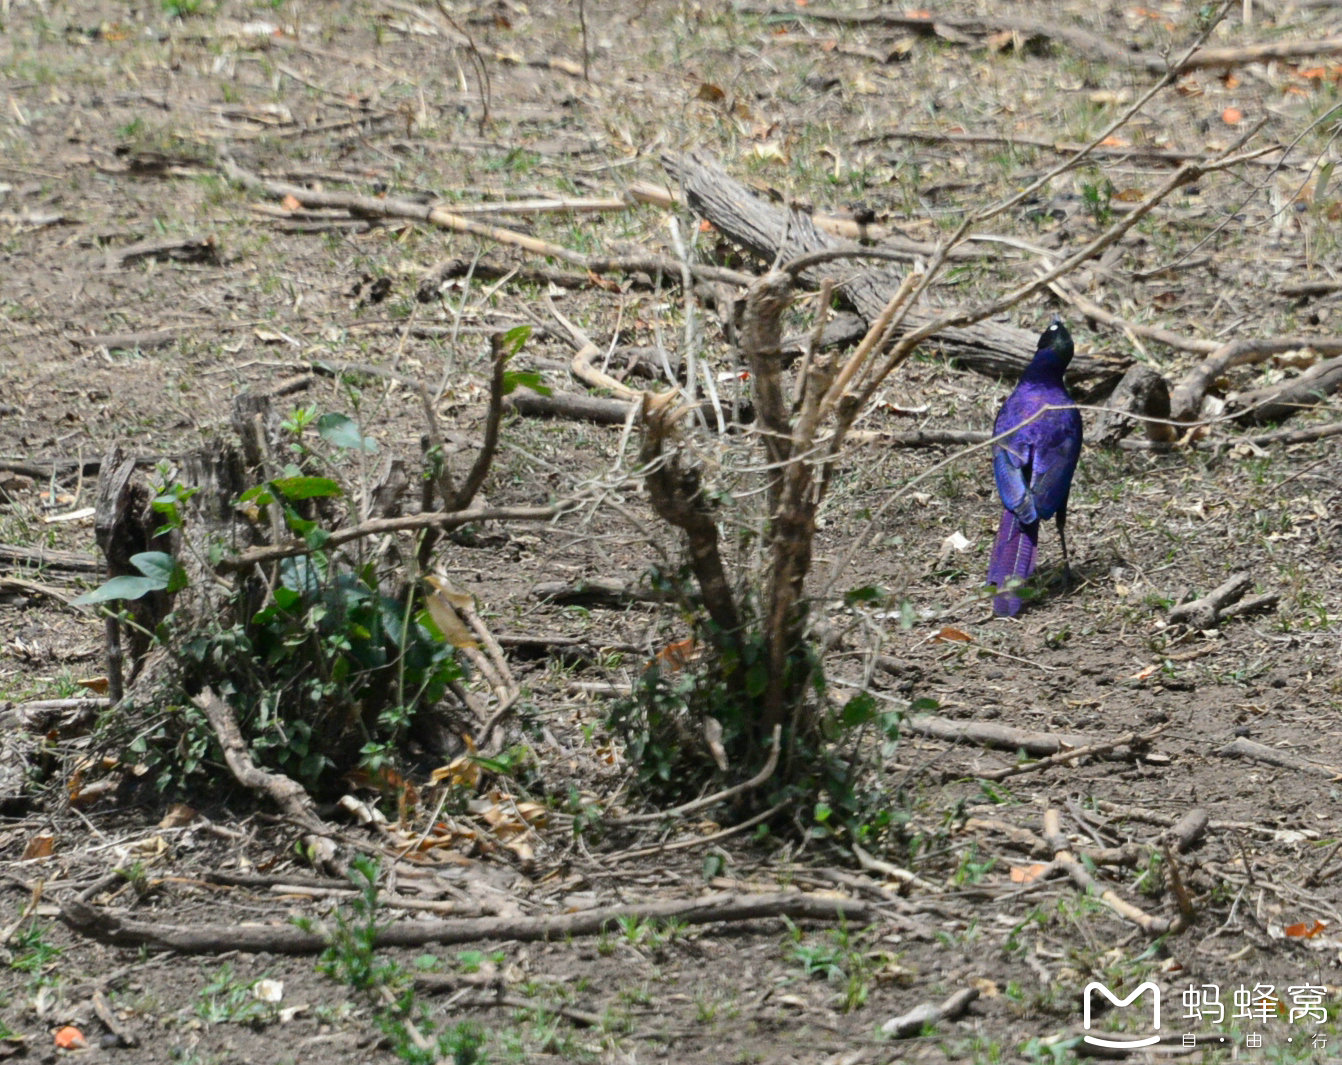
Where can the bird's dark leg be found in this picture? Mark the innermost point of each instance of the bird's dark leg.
(1061, 518)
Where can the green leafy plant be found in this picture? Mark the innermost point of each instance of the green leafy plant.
(227, 1000)
(327, 664)
(351, 958)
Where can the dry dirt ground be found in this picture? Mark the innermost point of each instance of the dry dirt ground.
(114, 120)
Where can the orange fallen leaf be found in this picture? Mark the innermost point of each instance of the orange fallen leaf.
(1229, 80)
(179, 814)
(705, 226)
(39, 847)
(1312, 74)
(97, 685)
(1232, 116)
(1304, 930)
(948, 632)
(918, 13)
(1113, 142)
(70, 1038)
(291, 203)
(676, 655)
(1028, 874)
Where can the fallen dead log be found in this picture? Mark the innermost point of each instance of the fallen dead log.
(1278, 402)
(773, 233)
(989, 734)
(1223, 602)
(285, 792)
(114, 928)
(571, 405)
(597, 591)
(915, 1020)
(976, 31)
(1084, 881)
(1142, 397)
(1240, 747)
(1187, 398)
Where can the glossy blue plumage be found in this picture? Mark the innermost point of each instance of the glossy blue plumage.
(1033, 463)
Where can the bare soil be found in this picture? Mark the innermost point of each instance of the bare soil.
(113, 120)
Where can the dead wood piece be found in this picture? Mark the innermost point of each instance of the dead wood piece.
(437, 519)
(919, 437)
(50, 558)
(1081, 877)
(431, 284)
(1221, 603)
(107, 926)
(926, 1013)
(66, 717)
(597, 591)
(1141, 396)
(1278, 402)
(1188, 829)
(1133, 741)
(152, 338)
(123, 1034)
(1305, 289)
(772, 233)
(182, 250)
(989, 734)
(675, 490)
(1017, 835)
(23, 587)
(840, 331)
(1240, 747)
(390, 207)
(1187, 398)
(569, 405)
(125, 524)
(973, 31)
(287, 794)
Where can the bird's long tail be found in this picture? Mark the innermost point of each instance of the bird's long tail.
(1013, 556)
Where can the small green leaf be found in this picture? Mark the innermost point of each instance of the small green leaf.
(515, 338)
(1321, 183)
(342, 431)
(868, 593)
(512, 379)
(260, 495)
(119, 588)
(757, 679)
(860, 709)
(295, 488)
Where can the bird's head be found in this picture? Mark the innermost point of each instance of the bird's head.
(1055, 345)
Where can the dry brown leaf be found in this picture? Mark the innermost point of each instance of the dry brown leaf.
(38, 847)
(462, 772)
(179, 814)
(710, 93)
(291, 203)
(97, 685)
(442, 603)
(1028, 874)
(949, 632)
